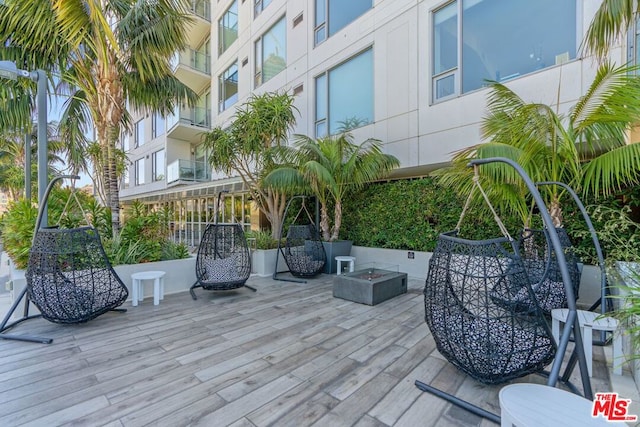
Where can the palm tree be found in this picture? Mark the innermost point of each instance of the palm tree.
(107, 52)
(585, 148)
(329, 167)
(612, 19)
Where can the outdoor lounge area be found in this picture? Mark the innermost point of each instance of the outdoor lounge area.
(288, 354)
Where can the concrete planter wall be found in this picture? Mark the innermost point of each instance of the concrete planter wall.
(263, 262)
(623, 275)
(416, 265)
(180, 275)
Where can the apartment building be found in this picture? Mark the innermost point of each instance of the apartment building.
(411, 73)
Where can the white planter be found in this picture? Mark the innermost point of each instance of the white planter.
(263, 262)
(624, 276)
(180, 275)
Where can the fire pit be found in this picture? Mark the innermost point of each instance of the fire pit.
(370, 284)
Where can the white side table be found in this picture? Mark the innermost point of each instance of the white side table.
(540, 405)
(340, 259)
(137, 283)
(589, 322)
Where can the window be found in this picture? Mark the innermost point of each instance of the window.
(479, 40)
(139, 133)
(125, 141)
(344, 96)
(228, 87)
(139, 171)
(271, 52)
(334, 15)
(632, 44)
(157, 165)
(228, 27)
(125, 177)
(157, 125)
(260, 5)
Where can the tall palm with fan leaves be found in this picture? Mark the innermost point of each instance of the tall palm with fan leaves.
(585, 148)
(105, 53)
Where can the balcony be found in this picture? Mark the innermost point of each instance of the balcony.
(201, 25)
(182, 171)
(188, 124)
(193, 68)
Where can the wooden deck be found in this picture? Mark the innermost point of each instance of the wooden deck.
(287, 355)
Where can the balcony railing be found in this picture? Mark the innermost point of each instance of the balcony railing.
(197, 116)
(201, 8)
(187, 170)
(193, 59)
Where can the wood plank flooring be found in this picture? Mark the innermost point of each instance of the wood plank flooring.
(288, 355)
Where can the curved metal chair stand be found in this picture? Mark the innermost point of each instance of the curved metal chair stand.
(303, 252)
(223, 262)
(492, 342)
(69, 277)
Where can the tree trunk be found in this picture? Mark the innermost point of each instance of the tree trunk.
(337, 221)
(324, 223)
(555, 211)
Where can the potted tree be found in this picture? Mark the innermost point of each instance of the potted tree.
(327, 168)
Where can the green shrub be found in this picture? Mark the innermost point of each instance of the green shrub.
(410, 214)
(17, 231)
(263, 239)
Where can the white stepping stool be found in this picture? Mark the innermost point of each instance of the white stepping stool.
(137, 283)
(589, 322)
(340, 259)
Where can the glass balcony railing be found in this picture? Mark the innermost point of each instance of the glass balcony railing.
(201, 8)
(193, 59)
(187, 170)
(198, 116)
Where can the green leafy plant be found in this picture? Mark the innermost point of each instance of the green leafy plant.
(328, 168)
(17, 231)
(263, 239)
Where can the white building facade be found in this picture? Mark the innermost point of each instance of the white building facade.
(411, 73)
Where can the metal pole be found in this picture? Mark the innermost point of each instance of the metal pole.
(41, 104)
(27, 165)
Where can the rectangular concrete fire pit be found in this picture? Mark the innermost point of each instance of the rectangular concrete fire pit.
(370, 286)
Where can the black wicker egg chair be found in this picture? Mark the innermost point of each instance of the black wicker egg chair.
(69, 277)
(303, 251)
(223, 262)
(485, 338)
(541, 264)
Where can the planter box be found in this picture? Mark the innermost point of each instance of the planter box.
(624, 276)
(180, 275)
(263, 262)
(334, 249)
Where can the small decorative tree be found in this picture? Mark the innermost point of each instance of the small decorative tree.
(247, 146)
(327, 168)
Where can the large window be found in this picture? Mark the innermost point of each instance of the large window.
(157, 125)
(139, 171)
(633, 42)
(479, 40)
(228, 27)
(157, 165)
(344, 96)
(125, 141)
(333, 15)
(228, 87)
(271, 52)
(139, 133)
(260, 5)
